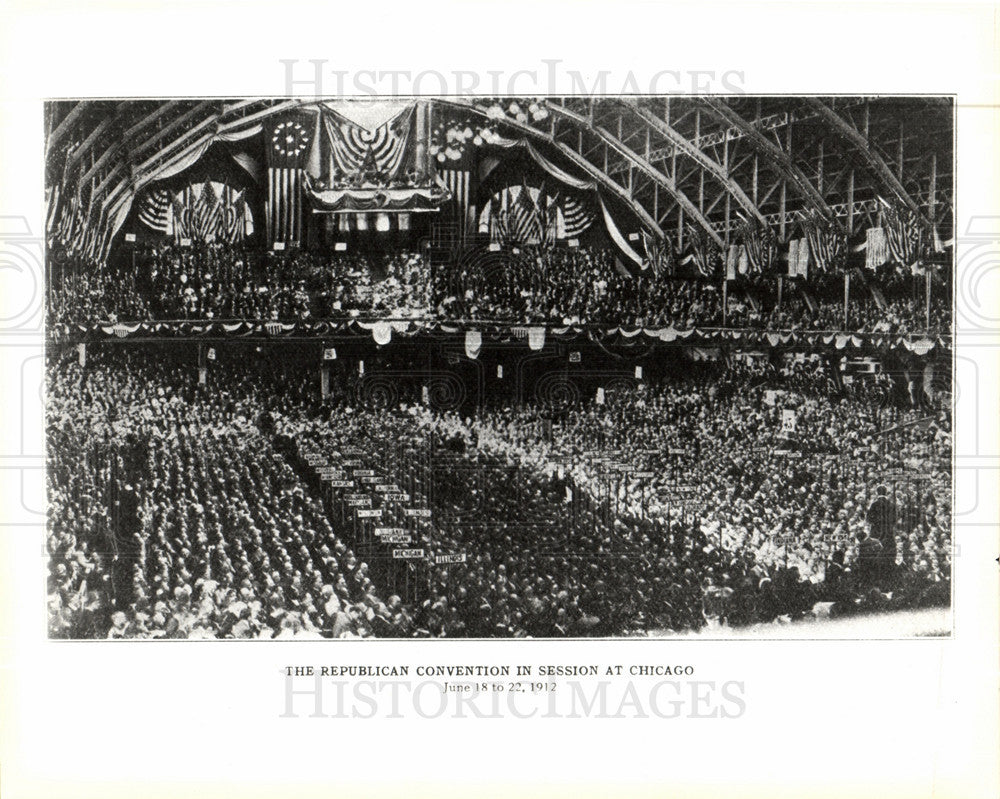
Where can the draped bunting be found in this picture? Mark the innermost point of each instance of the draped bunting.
(377, 198)
(555, 171)
(916, 344)
(230, 135)
(368, 115)
(249, 165)
(357, 152)
(382, 333)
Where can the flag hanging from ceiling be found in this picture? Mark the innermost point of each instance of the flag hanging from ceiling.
(498, 219)
(658, 255)
(237, 219)
(288, 148)
(206, 213)
(904, 233)
(702, 253)
(827, 242)
(759, 243)
(553, 226)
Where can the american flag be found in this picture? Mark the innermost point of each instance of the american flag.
(525, 226)
(827, 242)
(354, 149)
(457, 182)
(204, 210)
(287, 151)
(904, 233)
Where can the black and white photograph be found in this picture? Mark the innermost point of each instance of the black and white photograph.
(549, 400)
(549, 367)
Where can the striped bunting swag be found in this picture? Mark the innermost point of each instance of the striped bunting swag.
(355, 149)
(156, 210)
(576, 217)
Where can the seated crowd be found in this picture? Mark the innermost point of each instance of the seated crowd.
(524, 285)
(186, 510)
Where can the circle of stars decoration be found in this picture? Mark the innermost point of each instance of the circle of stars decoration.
(290, 139)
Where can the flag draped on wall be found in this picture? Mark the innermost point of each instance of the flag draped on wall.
(288, 147)
(356, 150)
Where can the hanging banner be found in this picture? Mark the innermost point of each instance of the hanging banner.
(536, 338)
(287, 147)
(473, 343)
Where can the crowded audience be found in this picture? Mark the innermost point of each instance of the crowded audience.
(181, 508)
(519, 285)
